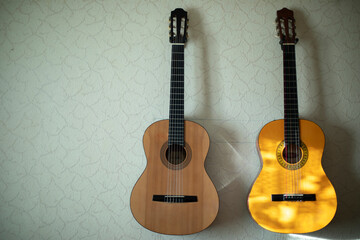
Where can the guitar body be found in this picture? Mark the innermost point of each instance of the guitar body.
(292, 216)
(188, 178)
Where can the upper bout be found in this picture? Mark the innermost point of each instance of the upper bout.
(196, 135)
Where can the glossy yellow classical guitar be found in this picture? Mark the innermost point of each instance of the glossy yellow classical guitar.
(292, 194)
(174, 195)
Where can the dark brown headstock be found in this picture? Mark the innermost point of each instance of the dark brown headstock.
(285, 26)
(178, 26)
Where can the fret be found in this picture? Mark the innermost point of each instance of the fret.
(177, 108)
(177, 70)
(177, 85)
(176, 141)
(177, 101)
(177, 131)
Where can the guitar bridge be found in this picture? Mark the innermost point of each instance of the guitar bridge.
(174, 198)
(293, 197)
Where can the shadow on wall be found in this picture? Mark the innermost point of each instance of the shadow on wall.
(233, 212)
(338, 157)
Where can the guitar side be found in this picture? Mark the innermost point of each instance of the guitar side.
(292, 216)
(175, 218)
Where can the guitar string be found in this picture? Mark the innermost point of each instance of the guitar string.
(173, 127)
(174, 132)
(292, 122)
(297, 137)
(175, 124)
(177, 121)
(298, 145)
(295, 123)
(168, 153)
(182, 89)
(285, 121)
(183, 121)
(177, 133)
(182, 130)
(179, 144)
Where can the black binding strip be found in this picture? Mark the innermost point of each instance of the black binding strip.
(293, 198)
(174, 198)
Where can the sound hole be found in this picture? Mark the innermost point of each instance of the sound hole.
(175, 154)
(292, 153)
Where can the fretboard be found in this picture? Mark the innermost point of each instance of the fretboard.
(291, 112)
(176, 114)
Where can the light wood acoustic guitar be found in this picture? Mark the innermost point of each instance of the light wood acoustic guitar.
(174, 195)
(292, 194)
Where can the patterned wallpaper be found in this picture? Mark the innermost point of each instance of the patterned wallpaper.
(80, 81)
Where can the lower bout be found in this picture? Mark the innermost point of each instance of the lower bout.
(179, 218)
(293, 217)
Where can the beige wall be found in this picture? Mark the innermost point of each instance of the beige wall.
(80, 81)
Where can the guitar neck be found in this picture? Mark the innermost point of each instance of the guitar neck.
(176, 114)
(291, 112)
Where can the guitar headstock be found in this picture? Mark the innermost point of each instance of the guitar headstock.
(285, 26)
(178, 26)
